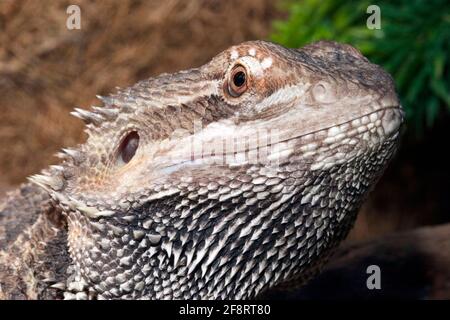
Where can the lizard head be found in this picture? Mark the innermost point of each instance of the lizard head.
(228, 179)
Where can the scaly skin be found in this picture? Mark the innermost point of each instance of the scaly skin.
(219, 182)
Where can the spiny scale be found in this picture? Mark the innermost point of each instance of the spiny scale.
(72, 153)
(108, 113)
(47, 182)
(108, 101)
(87, 116)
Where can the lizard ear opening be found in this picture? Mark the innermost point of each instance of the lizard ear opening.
(128, 147)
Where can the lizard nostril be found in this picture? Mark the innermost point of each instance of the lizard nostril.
(128, 147)
(321, 92)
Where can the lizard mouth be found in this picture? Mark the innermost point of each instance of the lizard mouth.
(390, 119)
(371, 129)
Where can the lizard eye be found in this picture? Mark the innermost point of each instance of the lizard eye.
(237, 84)
(128, 147)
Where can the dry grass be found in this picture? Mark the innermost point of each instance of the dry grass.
(46, 70)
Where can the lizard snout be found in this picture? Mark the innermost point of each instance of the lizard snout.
(392, 120)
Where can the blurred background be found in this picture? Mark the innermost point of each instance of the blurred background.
(46, 70)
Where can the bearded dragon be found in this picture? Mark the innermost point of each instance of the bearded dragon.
(219, 182)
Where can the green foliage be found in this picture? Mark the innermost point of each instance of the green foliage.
(412, 45)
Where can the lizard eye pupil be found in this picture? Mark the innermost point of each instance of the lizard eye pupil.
(238, 82)
(128, 147)
(239, 79)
